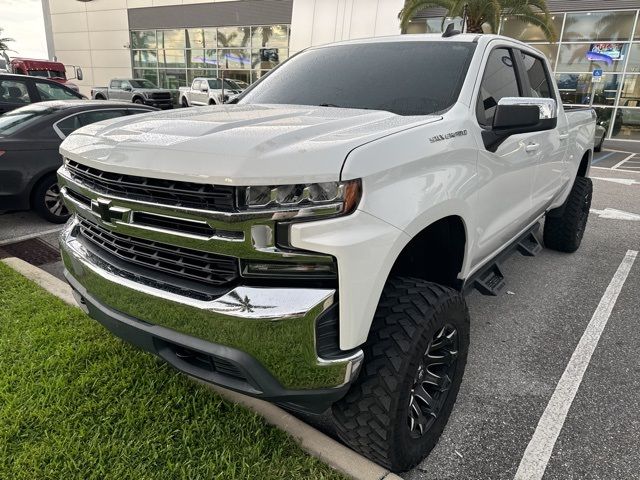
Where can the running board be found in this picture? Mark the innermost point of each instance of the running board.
(489, 280)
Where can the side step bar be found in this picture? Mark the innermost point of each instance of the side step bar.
(489, 280)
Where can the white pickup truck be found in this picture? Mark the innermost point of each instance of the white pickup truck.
(313, 243)
(208, 91)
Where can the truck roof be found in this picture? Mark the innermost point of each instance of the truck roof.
(38, 64)
(427, 37)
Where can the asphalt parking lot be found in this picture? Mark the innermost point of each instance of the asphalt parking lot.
(521, 344)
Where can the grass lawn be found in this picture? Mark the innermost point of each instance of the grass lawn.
(78, 403)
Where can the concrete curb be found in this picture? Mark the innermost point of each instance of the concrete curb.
(314, 442)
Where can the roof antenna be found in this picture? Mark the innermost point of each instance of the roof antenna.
(464, 18)
(450, 32)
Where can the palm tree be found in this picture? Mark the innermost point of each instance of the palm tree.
(480, 12)
(4, 41)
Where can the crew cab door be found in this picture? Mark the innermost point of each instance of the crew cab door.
(505, 171)
(199, 92)
(550, 145)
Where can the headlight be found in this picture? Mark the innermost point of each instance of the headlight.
(344, 195)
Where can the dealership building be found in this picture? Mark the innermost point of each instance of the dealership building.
(596, 58)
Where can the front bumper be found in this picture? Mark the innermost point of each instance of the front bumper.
(259, 341)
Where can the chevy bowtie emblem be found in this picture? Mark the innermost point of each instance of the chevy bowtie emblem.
(105, 211)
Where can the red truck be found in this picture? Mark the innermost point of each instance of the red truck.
(50, 69)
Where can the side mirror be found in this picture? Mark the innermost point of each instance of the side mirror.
(520, 115)
(204, 89)
(127, 88)
(79, 74)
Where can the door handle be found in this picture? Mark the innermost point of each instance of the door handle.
(564, 136)
(532, 147)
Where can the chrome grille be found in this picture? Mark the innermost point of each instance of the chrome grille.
(180, 262)
(154, 190)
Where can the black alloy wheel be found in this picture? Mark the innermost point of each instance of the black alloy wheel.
(432, 381)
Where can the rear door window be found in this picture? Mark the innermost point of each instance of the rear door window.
(499, 81)
(14, 92)
(53, 91)
(74, 122)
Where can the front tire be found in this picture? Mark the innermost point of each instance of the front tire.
(47, 200)
(414, 360)
(139, 101)
(185, 103)
(564, 229)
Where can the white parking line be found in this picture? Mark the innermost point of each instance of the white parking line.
(29, 236)
(537, 454)
(617, 169)
(621, 162)
(612, 150)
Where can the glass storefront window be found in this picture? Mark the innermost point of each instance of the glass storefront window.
(143, 39)
(173, 78)
(234, 37)
(270, 36)
(201, 59)
(234, 58)
(573, 58)
(243, 75)
(171, 58)
(175, 57)
(195, 38)
(145, 58)
(550, 51)
(598, 26)
(626, 125)
(151, 75)
(267, 58)
(171, 38)
(191, 74)
(513, 27)
(630, 95)
(578, 88)
(633, 65)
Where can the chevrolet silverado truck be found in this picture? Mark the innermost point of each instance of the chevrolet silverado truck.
(312, 244)
(207, 91)
(136, 90)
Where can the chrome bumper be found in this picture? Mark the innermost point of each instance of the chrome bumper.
(275, 326)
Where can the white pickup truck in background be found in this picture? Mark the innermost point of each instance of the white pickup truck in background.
(312, 244)
(208, 91)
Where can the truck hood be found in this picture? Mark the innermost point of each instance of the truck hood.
(234, 144)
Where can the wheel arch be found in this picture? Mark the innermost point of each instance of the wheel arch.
(585, 164)
(436, 253)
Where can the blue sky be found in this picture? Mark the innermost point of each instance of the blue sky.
(22, 20)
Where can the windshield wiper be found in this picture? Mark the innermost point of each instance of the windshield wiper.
(330, 105)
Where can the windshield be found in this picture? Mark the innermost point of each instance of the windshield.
(231, 84)
(20, 118)
(46, 73)
(405, 78)
(142, 83)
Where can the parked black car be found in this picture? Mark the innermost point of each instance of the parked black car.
(29, 141)
(19, 90)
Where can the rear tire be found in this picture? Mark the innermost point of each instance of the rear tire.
(100, 97)
(404, 383)
(563, 231)
(47, 200)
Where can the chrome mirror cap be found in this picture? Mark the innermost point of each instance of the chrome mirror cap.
(548, 106)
